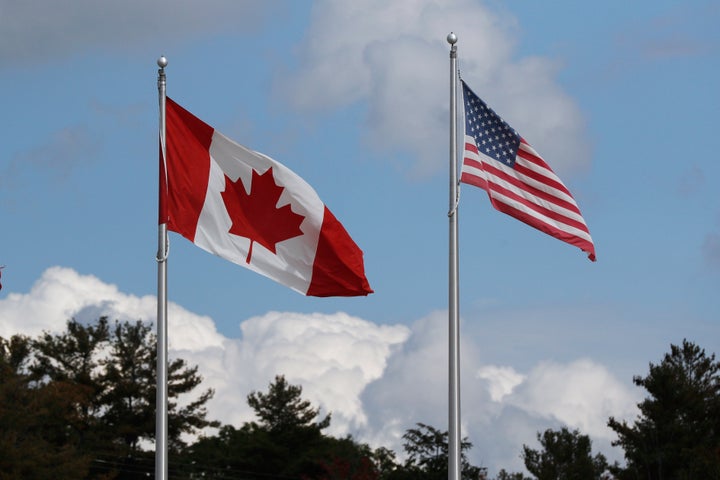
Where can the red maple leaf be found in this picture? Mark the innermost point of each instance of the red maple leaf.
(255, 215)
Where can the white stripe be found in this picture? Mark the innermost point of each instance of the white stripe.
(545, 172)
(534, 199)
(474, 171)
(469, 153)
(539, 169)
(560, 194)
(529, 149)
(488, 176)
(539, 216)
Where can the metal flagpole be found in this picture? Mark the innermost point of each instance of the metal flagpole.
(161, 411)
(454, 453)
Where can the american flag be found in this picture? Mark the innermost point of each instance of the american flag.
(518, 181)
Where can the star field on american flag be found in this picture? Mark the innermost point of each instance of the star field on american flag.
(493, 136)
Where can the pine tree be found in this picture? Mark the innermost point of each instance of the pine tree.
(112, 375)
(36, 421)
(565, 455)
(677, 434)
(282, 409)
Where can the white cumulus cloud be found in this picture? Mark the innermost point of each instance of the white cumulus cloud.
(501, 380)
(394, 56)
(581, 394)
(36, 31)
(376, 380)
(62, 294)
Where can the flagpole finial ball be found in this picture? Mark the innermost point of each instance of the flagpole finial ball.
(452, 38)
(162, 61)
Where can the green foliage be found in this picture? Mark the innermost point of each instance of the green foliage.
(677, 434)
(80, 404)
(427, 456)
(504, 475)
(72, 356)
(286, 442)
(77, 404)
(565, 455)
(127, 385)
(291, 427)
(385, 461)
(282, 409)
(36, 437)
(345, 459)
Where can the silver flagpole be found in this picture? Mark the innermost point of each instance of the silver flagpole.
(454, 453)
(161, 411)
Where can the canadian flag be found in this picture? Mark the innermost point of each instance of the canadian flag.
(247, 208)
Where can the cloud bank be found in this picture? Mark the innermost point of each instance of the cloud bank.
(377, 380)
(394, 56)
(389, 57)
(42, 30)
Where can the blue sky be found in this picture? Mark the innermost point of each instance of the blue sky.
(620, 99)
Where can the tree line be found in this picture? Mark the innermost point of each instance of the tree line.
(80, 404)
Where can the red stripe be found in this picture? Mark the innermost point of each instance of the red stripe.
(472, 179)
(338, 268)
(472, 163)
(583, 244)
(523, 216)
(487, 166)
(536, 207)
(188, 168)
(537, 176)
(530, 189)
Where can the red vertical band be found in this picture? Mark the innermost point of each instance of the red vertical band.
(188, 168)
